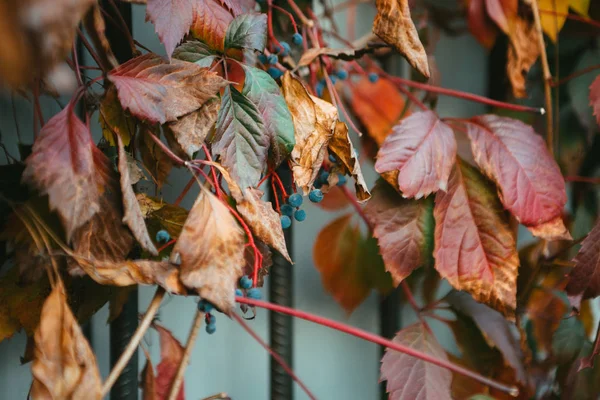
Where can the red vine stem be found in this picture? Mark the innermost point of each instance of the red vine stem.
(574, 75)
(273, 354)
(359, 333)
(582, 179)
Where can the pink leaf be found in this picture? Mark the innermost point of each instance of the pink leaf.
(171, 353)
(172, 20)
(531, 186)
(422, 148)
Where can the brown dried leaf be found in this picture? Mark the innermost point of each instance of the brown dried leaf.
(347, 54)
(394, 25)
(210, 251)
(114, 120)
(64, 365)
(191, 130)
(523, 51)
(133, 217)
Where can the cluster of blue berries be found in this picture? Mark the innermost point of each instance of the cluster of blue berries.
(246, 284)
(282, 49)
(162, 236)
(323, 177)
(211, 321)
(292, 208)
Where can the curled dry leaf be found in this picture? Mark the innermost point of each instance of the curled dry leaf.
(423, 149)
(314, 124)
(403, 228)
(412, 378)
(531, 186)
(210, 23)
(263, 220)
(172, 20)
(584, 279)
(191, 130)
(394, 25)
(64, 365)
(475, 247)
(341, 145)
(133, 217)
(523, 51)
(157, 91)
(210, 251)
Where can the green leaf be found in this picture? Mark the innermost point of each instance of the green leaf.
(264, 92)
(240, 138)
(195, 51)
(568, 340)
(247, 31)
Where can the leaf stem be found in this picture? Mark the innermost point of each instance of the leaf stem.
(359, 333)
(582, 179)
(135, 340)
(186, 355)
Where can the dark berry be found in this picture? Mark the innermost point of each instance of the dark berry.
(318, 184)
(210, 329)
(162, 236)
(315, 196)
(274, 72)
(286, 48)
(245, 282)
(373, 77)
(323, 177)
(342, 74)
(295, 200)
(332, 158)
(263, 59)
(288, 210)
(286, 222)
(300, 215)
(297, 39)
(254, 293)
(272, 59)
(204, 306)
(239, 293)
(341, 180)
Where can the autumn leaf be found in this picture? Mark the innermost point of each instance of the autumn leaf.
(132, 217)
(172, 20)
(171, 353)
(211, 251)
(263, 220)
(64, 165)
(553, 21)
(314, 123)
(195, 51)
(157, 91)
(210, 24)
(403, 228)
(264, 92)
(595, 97)
(191, 130)
(64, 365)
(267, 262)
(584, 279)
(335, 200)
(531, 186)
(240, 138)
(475, 247)
(154, 158)
(346, 54)
(502, 12)
(114, 120)
(394, 25)
(247, 31)
(412, 378)
(480, 24)
(341, 145)
(523, 51)
(423, 149)
(148, 381)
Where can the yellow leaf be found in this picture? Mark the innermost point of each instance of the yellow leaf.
(580, 6)
(553, 16)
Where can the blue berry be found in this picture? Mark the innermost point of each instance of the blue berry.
(315, 196)
(210, 329)
(295, 200)
(286, 222)
(239, 293)
(162, 236)
(263, 59)
(373, 77)
(204, 306)
(332, 158)
(286, 48)
(342, 74)
(323, 177)
(341, 180)
(288, 210)
(319, 88)
(333, 79)
(254, 293)
(272, 59)
(318, 184)
(245, 282)
(297, 39)
(274, 72)
(300, 215)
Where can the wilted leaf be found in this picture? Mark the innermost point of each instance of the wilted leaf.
(423, 149)
(210, 24)
(341, 145)
(240, 138)
(531, 186)
(480, 24)
(263, 221)
(264, 92)
(211, 251)
(114, 120)
(584, 279)
(475, 247)
(172, 20)
(191, 130)
(195, 51)
(156, 161)
(171, 353)
(157, 91)
(595, 97)
(394, 25)
(132, 217)
(314, 122)
(247, 31)
(64, 365)
(412, 378)
(523, 51)
(403, 228)
(64, 165)
(568, 340)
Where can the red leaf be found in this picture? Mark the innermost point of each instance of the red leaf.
(502, 12)
(63, 165)
(412, 378)
(595, 97)
(403, 228)
(584, 279)
(171, 353)
(532, 188)
(480, 25)
(172, 20)
(423, 149)
(154, 90)
(475, 248)
(210, 24)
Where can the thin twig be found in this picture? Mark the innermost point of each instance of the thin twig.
(189, 346)
(135, 340)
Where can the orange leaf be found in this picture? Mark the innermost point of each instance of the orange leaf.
(523, 51)
(210, 24)
(480, 24)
